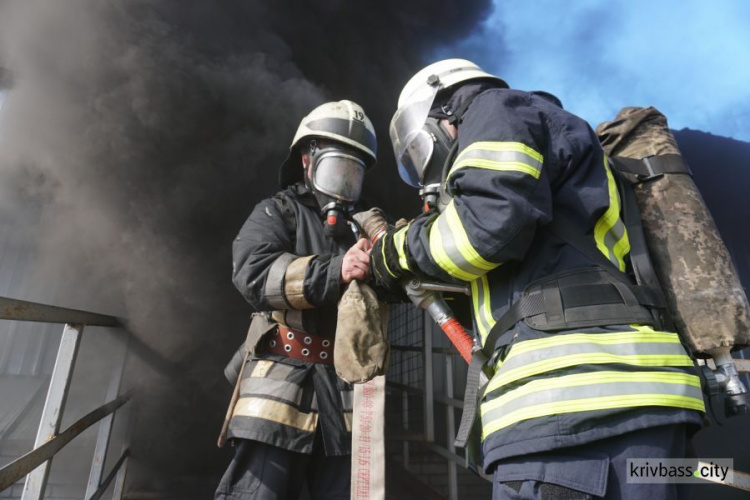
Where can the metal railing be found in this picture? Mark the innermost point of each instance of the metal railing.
(439, 371)
(36, 464)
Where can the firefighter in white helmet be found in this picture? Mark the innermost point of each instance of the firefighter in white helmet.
(574, 372)
(292, 422)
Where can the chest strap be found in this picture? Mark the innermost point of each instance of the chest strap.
(578, 298)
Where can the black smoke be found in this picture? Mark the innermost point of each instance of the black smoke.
(138, 136)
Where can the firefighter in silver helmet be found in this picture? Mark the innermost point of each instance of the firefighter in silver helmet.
(292, 422)
(573, 373)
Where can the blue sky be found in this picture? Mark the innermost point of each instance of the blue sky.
(689, 58)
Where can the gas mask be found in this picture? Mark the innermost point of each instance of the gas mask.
(336, 182)
(426, 159)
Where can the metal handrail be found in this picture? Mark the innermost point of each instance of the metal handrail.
(21, 310)
(35, 465)
(115, 470)
(33, 459)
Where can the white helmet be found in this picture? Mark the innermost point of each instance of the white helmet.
(411, 145)
(342, 121)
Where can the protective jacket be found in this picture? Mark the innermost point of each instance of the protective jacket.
(285, 264)
(522, 161)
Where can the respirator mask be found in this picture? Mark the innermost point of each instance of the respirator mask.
(336, 182)
(425, 160)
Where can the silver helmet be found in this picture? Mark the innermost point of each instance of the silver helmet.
(337, 172)
(412, 145)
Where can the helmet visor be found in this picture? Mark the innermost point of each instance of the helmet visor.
(413, 146)
(339, 175)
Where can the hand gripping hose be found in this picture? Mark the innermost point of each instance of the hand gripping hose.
(425, 296)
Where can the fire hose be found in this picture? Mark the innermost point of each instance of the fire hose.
(424, 295)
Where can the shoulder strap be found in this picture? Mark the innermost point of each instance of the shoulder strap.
(287, 213)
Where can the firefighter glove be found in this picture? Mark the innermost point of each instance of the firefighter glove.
(387, 265)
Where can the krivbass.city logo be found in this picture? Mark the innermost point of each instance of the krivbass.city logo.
(677, 470)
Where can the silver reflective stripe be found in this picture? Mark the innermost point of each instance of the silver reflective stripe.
(450, 248)
(624, 349)
(347, 399)
(611, 238)
(293, 318)
(277, 389)
(501, 157)
(274, 289)
(534, 357)
(480, 297)
(592, 390)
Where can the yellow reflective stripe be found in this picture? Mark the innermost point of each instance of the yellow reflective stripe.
(642, 336)
(592, 404)
(503, 146)
(597, 358)
(382, 252)
(500, 156)
(462, 239)
(610, 226)
(399, 240)
(480, 297)
(440, 256)
(487, 309)
(497, 166)
(582, 379)
(478, 318)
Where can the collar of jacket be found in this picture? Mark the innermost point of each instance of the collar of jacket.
(451, 101)
(304, 195)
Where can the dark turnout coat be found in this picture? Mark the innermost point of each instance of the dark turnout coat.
(283, 262)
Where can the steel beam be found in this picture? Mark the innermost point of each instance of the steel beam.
(119, 487)
(450, 431)
(21, 310)
(27, 463)
(54, 406)
(115, 470)
(405, 426)
(105, 427)
(429, 403)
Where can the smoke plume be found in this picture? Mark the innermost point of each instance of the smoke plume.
(136, 139)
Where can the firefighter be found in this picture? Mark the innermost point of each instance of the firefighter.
(573, 372)
(292, 422)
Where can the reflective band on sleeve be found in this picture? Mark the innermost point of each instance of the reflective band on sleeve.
(452, 250)
(480, 297)
(609, 232)
(399, 240)
(632, 348)
(500, 156)
(274, 288)
(294, 283)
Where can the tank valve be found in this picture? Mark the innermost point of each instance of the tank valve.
(727, 378)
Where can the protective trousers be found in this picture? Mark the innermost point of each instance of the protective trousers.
(594, 470)
(261, 471)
